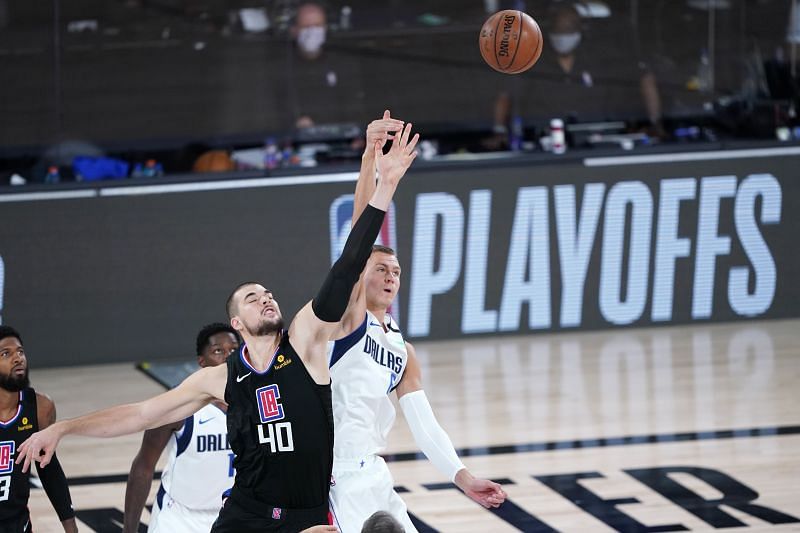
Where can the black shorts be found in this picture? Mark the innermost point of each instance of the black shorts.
(243, 515)
(18, 524)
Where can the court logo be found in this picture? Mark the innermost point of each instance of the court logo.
(7, 449)
(341, 214)
(268, 407)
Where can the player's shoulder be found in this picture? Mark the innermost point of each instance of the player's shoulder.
(45, 408)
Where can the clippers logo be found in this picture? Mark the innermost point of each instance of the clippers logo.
(268, 407)
(341, 214)
(7, 449)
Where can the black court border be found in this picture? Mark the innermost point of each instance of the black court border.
(532, 447)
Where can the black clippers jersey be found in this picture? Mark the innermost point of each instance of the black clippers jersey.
(280, 426)
(14, 485)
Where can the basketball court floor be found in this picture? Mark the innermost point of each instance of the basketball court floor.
(665, 429)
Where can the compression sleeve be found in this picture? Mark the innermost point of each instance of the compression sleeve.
(429, 435)
(331, 301)
(55, 485)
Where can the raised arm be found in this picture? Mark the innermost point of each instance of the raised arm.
(196, 391)
(52, 477)
(378, 131)
(140, 477)
(434, 441)
(319, 320)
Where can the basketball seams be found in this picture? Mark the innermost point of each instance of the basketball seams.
(536, 51)
(499, 19)
(527, 33)
(519, 40)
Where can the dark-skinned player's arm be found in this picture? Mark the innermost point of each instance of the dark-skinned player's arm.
(140, 478)
(434, 441)
(54, 482)
(318, 321)
(196, 391)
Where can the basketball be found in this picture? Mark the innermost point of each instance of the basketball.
(214, 161)
(510, 41)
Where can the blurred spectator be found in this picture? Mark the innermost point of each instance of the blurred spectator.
(323, 81)
(575, 80)
(310, 30)
(382, 522)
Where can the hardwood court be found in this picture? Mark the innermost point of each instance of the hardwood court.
(622, 429)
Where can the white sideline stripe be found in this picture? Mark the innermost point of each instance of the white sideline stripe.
(229, 184)
(47, 195)
(689, 156)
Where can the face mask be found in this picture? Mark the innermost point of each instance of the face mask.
(311, 39)
(564, 43)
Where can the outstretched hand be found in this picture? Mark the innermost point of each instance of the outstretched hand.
(382, 129)
(487, 493)
(393, 165)
(38, 447)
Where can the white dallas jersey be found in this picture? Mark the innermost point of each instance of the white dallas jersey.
(365, 367)
(200, 461)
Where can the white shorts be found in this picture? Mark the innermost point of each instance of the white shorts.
(172, 517)
(359, 491)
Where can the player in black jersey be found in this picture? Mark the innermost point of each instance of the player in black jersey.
(24, 411)
(277, 388)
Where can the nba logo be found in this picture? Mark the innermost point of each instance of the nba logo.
(341, 214)
(7, 456)
(268, 407)
(276, 513)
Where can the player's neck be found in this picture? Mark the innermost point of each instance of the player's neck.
(261, 349)
(9, 401)
(379, 312)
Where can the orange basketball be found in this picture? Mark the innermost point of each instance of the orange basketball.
(510, 41)
(214, 161)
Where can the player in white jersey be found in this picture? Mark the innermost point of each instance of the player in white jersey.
(369, 361)
(199, 464)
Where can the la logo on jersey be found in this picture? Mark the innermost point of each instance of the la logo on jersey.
(268, 407)
(277, 435)
(7, 449)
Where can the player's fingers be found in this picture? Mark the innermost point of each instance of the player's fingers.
(406, 134)
(387, 114)
(27, 463)
(413, 143)
(21, 452)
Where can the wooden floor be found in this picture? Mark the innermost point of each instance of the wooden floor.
(621, 429)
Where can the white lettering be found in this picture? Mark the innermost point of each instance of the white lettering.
(709, 243)
(614, 307)
(741, 301)
(528, 270)
(279, 436)
(575, 244)
(475, 318)
(668, 245)
(425, 281)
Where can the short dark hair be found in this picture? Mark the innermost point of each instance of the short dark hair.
(229, 304)
(382, 522)
(209, 331)
(8, 331)
(383, 249)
